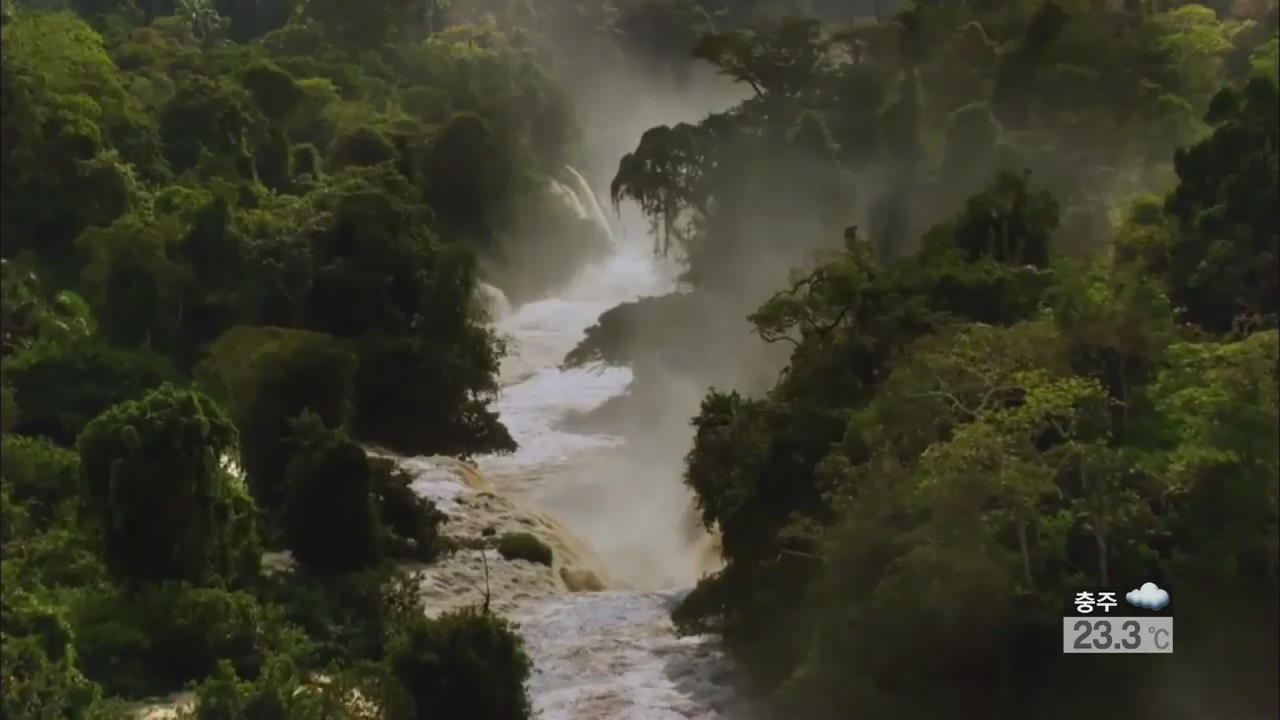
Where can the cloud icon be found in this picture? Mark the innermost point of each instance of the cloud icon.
(1149, 596)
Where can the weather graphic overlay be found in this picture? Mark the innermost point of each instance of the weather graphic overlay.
(1115, 621)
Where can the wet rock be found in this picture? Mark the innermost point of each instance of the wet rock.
(475, 516)
(580, 580)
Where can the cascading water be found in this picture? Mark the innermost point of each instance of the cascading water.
(611, 655)
(569, 197)
(494, 301)
(597, 212)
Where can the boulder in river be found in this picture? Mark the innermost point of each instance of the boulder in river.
(581, 580)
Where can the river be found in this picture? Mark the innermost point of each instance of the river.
(606, 507)
(613, 654)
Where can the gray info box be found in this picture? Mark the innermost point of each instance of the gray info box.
(1127, 635)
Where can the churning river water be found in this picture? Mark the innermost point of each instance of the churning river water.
(610, 654)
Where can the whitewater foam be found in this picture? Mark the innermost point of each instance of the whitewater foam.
(494, 302)
(599, 655)
(616, 656)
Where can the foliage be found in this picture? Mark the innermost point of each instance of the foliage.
(29, 318)
(274, 91)
(178, 198)
(524, 546)
(361, 147)
(347, 618)
(410, 522)
(39, 476)
(268, 377)
(1003, 387)
(464, 172)
(1220, 259)
(135, 288)
(60, 387)
(329, 517)
(975, 429)
(207, 116)
(150, 642)
(38, 687)
(281, 691)
(963, 437)
(65, 111)
(362, 27)
(920, 112)
(154, 480)
(40, 673)
(462, 664)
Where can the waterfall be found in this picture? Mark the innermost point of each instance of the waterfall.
(494, 301)
(597, 213)
(621, 511)
(569, 198)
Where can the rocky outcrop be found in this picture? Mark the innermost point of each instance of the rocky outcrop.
(477, 516)
(581, 580)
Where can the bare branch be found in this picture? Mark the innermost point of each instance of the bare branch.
(773, 337)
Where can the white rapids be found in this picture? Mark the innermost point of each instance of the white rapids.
(615, 656)
(611, 655)
(596, 624)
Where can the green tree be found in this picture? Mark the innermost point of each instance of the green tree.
(410, 522)
(200, 20)
(1222, 263)
(329, 515)
(59, 388)
(1218, 402)
(364, 27)
(1217, 405)
(161, 636)
(28, 317)
(135, 287)
(361, 147)
(776, 60)
(209, 120)
(463, 664)
(155, 481)
(267, 377)
(468, 176)
(40, 476)
(1116, 320)
(274, 91)
(38, 661)
(65, 110)
(40, 687)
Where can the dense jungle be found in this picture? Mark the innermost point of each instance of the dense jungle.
(976, 303)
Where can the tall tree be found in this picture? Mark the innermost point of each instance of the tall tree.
(330, 523)
(157, 487)
(1222, 263)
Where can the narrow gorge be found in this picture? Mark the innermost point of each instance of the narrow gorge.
(597, 621)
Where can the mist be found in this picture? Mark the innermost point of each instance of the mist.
(785, 202)
(629, 502)
(625, 500)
